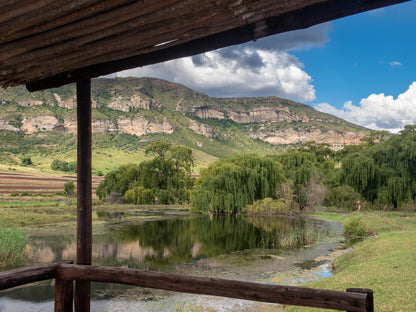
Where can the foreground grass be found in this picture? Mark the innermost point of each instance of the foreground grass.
(385, 263)
(12, 246)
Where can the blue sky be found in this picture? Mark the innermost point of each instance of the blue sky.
(360, 68)
(372, 52)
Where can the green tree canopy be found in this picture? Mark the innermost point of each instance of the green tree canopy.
(166, 177)
(384, 172)
(228, 185)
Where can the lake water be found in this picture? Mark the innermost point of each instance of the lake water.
(275, 250)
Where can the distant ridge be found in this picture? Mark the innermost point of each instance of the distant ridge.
(143, 110)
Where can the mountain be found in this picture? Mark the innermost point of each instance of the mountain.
(129, 113)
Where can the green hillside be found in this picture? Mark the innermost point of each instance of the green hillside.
(130, 113)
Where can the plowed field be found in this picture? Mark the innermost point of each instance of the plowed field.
(12, 183)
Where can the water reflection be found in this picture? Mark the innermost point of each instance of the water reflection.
(166, 244)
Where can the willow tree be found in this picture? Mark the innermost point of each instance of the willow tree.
(384, 173)
(300, 166)
(166, 177)
(228, 185)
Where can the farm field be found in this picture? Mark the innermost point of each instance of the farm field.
(35, 184)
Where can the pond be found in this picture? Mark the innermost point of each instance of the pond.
(278, 250)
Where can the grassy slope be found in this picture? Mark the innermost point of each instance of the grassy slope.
(232, 137)
(385, 263)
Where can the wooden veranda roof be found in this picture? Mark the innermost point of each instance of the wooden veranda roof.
(48, 43)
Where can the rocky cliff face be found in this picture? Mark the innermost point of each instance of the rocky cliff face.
(38, 124)
(258, 114)
(274, 135)
(292, 136)
(151, 106)
(135, 126)
(202, 129)
(125, 104)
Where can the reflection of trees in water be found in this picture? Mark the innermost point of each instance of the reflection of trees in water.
(179, 241)
(52, 248)
(168, 242)
(162, 243)
(225, 234)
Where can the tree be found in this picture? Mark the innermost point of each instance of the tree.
(118, 181)
(228, 185)
(62, 165)
(384, 172)
(159, 149)
(166, 177)
(69, 188)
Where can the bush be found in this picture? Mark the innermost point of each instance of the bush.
(355, 227)
(62, 165)
(268, 206)
(12, 246)
(69, 188)
(27, 161)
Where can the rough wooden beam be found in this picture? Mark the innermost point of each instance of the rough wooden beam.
(336, 300)
(318, 13)
(112, 40)
(86, 29)
(25, 275)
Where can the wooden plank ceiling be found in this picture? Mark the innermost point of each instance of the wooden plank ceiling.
(48, 43)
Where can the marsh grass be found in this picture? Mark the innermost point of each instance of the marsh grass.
(12, 246)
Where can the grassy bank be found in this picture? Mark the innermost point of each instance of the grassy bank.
(39, 212)
(36, 212)
(384, 262)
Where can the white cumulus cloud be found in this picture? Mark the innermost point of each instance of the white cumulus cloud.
(242, 72)
(260, 68)
(379, 111)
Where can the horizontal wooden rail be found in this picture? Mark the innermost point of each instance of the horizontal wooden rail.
(328, 299)
(26, 275)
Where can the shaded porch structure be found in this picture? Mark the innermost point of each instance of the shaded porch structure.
(50, 43)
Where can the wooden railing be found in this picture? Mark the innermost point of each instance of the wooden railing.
(359, 300)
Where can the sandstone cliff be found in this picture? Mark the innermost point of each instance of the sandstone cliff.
(143, 106)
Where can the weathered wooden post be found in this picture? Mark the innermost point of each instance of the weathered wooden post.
(370, 298)
(84, 192)
(64, 293)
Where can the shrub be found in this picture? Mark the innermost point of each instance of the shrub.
(268, 206)
(27, 161)
(69, 188)
(355, 227)
(62, 165)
